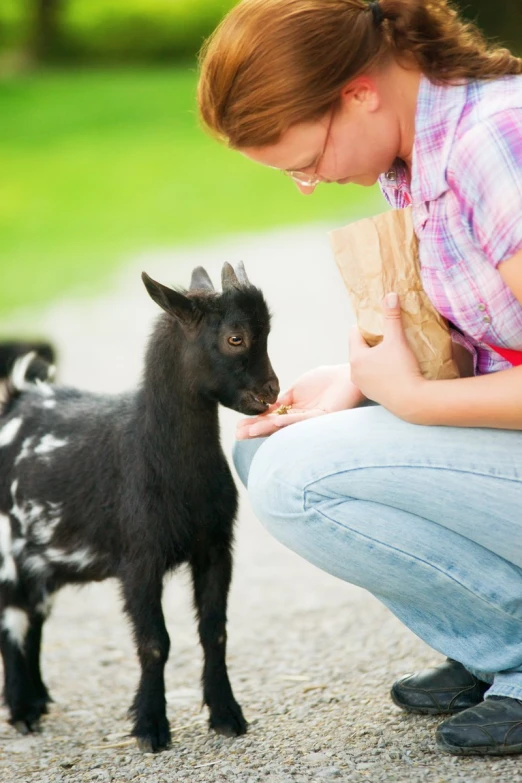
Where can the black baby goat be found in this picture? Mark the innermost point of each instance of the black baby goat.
(131, 486)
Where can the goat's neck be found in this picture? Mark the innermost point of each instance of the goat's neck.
(176, 414)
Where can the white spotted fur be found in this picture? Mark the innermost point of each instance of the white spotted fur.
(9, 431)
(16, 624)
(19, 371)
(36, 565)
(45, 605)
(37, 522)
(80, 559)
(8, 571)
(25, 451)
(44, 388)
(49, 443)
(42, 529)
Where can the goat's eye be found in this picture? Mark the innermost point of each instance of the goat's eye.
(235, 340)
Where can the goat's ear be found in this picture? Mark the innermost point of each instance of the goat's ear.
(200, 280)
(173, 302)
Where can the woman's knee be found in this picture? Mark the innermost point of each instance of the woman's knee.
(276, 483)
(281, 474)
(280, 470)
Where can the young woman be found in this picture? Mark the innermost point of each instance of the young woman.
(418, 498)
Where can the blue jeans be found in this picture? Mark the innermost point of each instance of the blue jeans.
(428, 519)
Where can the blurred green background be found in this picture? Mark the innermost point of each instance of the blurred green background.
(101, 155)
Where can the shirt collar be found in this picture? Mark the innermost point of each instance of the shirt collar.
(439, 109)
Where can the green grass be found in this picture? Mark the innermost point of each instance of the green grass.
(96, 166)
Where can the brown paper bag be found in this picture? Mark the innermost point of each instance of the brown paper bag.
(378, 255)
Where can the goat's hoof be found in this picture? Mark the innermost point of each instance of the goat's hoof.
(28, 719)
(41, 704)
(153, 737)
(27, 725)
(228, 721)
(22, 727)
(43, 698)
(151, 744)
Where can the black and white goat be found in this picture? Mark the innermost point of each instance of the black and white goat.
(131, 486)
(40, 368)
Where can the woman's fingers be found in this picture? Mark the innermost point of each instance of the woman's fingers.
(244, 425)
(258, 427)
(250, 421)
(295, 416)
(269, 423)
(286, 398)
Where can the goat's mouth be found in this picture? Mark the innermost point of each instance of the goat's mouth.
(254, 404)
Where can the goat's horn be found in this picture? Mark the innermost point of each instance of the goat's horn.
(242, 275)
(228, 277)
(200, 281)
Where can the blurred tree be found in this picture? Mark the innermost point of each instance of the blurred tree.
(164, 30)
(44, 36)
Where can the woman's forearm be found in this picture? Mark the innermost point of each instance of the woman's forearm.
(493, 400)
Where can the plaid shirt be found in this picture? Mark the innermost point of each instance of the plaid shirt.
(466, 196)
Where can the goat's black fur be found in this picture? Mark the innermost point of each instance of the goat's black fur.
(131, 486)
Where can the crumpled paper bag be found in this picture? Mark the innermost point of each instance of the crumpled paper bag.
(378, 255)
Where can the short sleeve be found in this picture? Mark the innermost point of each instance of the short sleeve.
(485, 173)
(386, 192)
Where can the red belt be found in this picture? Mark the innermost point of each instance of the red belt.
(515, 357)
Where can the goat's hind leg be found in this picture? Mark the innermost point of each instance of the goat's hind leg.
(211, 575)
(25, 694)
(32, 647)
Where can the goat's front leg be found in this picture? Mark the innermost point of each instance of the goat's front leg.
(142, 595)
(211, 574)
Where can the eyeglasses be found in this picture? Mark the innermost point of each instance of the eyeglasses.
(313, 179)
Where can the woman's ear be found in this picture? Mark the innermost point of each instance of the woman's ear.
(361, 92)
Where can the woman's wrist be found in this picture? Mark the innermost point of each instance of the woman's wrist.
(360, 396)
(415, 403)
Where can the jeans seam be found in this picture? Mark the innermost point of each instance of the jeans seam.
(412, 557)
(409, 465)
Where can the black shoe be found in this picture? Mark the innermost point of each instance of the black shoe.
(448, 688)
(493, 728)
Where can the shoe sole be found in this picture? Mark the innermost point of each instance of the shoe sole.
(456, 750)
(427, 710)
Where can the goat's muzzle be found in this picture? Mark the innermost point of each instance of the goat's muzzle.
(257, 401)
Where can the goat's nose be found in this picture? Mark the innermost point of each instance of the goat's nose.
(271, 390)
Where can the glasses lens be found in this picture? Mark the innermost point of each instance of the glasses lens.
(302, 178)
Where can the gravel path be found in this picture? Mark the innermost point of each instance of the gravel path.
(311, 658)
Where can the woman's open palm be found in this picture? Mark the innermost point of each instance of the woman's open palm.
(322, 390)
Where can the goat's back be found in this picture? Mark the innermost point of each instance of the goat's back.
(59, 477)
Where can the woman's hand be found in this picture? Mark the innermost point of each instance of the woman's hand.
(388, 373)
(323, 390)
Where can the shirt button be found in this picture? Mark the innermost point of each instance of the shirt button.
(487, 319)
(482, 306)
(390, 175)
